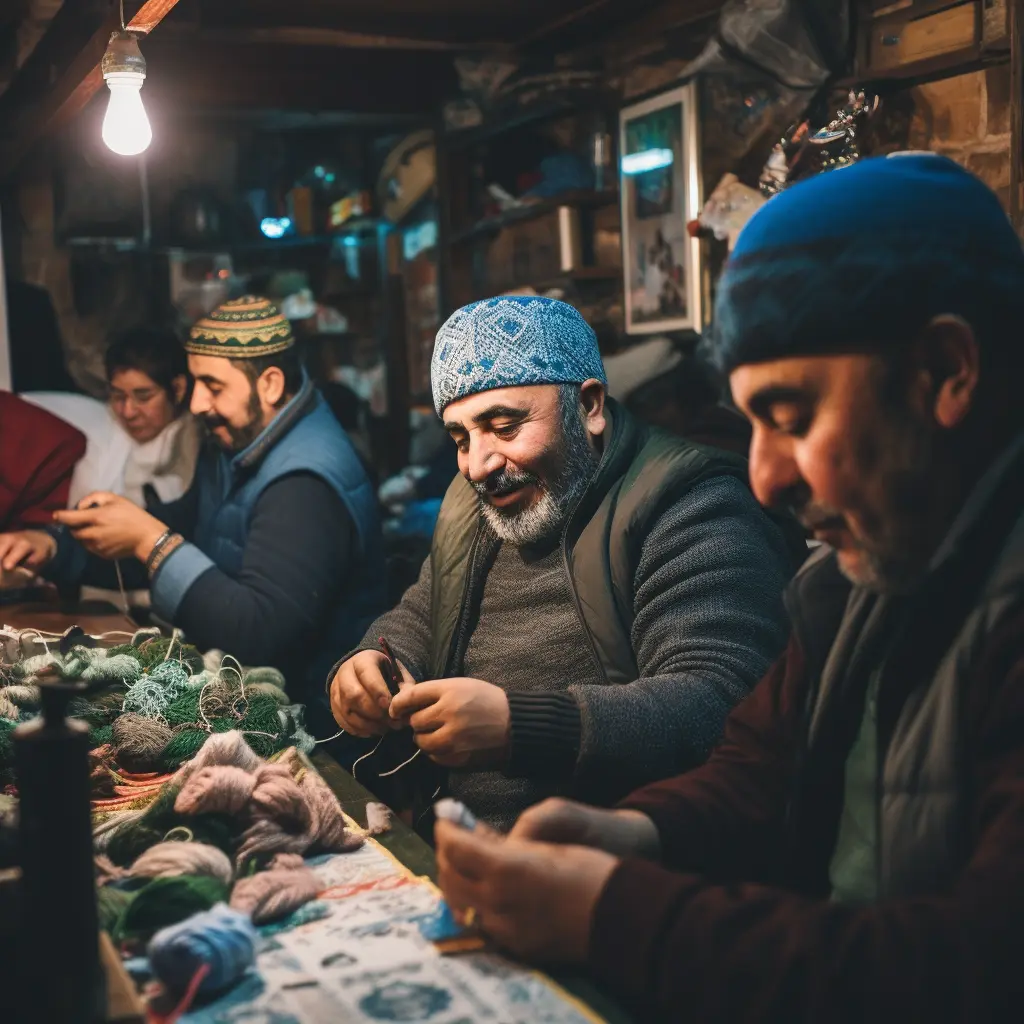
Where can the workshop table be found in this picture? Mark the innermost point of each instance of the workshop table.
(50, 615)
(407, 847)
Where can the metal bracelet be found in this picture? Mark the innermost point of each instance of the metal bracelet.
(157, 548)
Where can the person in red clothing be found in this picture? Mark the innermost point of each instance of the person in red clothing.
(853, 848)
(38, 453)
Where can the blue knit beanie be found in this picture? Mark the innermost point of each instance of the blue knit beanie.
(511, 341)
(866, 256)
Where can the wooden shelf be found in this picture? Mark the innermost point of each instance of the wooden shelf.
(566, 103)
(530, 211)
(579, 274)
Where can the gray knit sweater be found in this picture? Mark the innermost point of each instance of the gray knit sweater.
(708, 622)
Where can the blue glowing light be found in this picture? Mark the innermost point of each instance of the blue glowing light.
(275, 227)
(647, 160)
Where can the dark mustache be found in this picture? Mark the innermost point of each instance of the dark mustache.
(503, 482)
(212, 420)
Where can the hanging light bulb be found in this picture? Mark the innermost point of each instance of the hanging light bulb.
(126, 129)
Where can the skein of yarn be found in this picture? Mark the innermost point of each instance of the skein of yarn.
(276, 893)
(139, 740)
(222, 940)
(165, 901)
(167, 860)
(25, 695)
(277, 795)
(221, 789)
(227, 748)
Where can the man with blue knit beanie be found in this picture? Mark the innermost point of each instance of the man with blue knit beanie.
(598, 595)
(852, 850)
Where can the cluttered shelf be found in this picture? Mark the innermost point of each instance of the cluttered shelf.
(570, 101)
(522, 212)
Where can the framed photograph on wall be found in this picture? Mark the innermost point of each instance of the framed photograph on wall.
(661, 191)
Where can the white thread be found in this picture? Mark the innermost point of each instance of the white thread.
(364, 757)
(340, 732)
(202, 714)
(124, 594)
(384, 775)
(170, 646)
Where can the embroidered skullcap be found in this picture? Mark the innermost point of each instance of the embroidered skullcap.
(241, 329)
(865, 256)
(511, 341)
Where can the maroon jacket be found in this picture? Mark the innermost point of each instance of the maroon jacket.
(736, 927)
(38, 453)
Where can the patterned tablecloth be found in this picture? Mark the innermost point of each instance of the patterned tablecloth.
(357, 954)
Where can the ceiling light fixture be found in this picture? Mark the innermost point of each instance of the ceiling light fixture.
(126, 128)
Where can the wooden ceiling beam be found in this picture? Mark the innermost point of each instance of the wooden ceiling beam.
(26, 118)
(320, 37)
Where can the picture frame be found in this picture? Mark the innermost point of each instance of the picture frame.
(661, 191)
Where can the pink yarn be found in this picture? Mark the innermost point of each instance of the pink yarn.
(274, 894)
(221, 788)
(106, 870)
(277, 796)
(221, 748)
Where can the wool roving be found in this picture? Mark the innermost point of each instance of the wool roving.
(270, 895)
(139, 741)
(165, 901)
(378, 819)
(219, 789)
(169, 859)
(221, 939)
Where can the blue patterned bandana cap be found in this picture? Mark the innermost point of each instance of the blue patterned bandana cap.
(512, 341)
(864, 257)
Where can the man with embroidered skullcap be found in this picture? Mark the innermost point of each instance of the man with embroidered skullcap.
(852, 849)
(598, 594)
(274, 554)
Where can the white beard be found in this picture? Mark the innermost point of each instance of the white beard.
(543, 519)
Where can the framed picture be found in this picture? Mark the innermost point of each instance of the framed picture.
(661, 191)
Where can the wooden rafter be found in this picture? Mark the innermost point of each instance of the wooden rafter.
(76, 83)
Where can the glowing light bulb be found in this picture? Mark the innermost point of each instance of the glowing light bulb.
(126, 128)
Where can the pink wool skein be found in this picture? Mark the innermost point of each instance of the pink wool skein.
(166, 860)
(277, 892)
(220, 789)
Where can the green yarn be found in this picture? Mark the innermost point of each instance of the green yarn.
(120, 668)
(111, 903)
(183, 747)
(132, 652)
(171, 674)
(266, 674)
(154, 651)
(166, 901)
(268, 690)
(101, 736)
(7, 727)
(259, 715)
(137, 836)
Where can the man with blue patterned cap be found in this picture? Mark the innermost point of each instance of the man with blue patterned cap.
(598, 595)
(852, 850)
